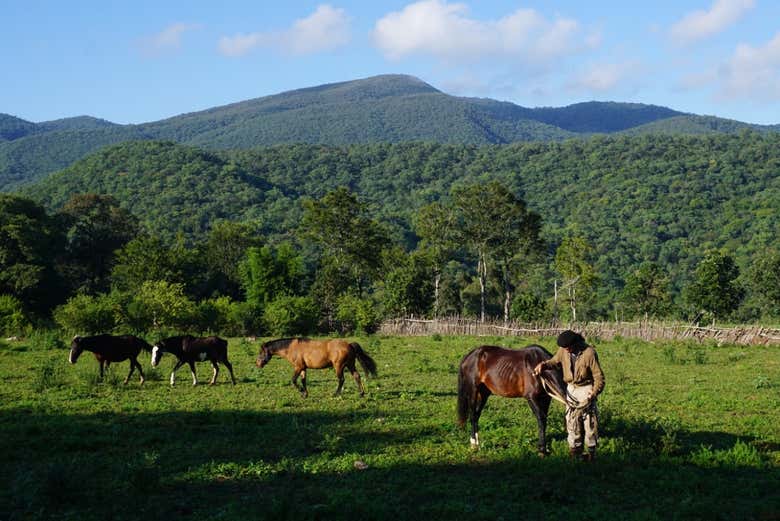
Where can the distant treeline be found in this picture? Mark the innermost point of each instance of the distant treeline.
(663, 226)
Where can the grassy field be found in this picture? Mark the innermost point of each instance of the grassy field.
(688, 432)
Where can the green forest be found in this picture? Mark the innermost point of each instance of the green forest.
(301, 238)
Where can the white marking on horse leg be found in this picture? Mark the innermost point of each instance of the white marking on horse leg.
(173, 377)
(474, 441)
(155, 360)
(194, 378)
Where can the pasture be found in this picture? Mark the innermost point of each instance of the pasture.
(688, 431)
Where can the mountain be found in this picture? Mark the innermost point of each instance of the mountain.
(388, 108)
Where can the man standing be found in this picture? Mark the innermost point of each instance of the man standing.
(585, 381)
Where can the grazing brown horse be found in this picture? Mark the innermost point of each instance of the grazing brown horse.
(490, 370)
(304, 353)
(189, 349)
(110, 348)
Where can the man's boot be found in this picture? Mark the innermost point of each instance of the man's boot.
(591, 455)
(575, 453)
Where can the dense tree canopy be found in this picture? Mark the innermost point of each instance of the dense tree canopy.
(662, 200)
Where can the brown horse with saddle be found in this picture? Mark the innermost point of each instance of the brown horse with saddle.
(305, 353)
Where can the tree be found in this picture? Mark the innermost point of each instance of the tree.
(95, 228)
(340, 224)
(406, 287)
(148, 258)
(572, 263)
(647, 290)
(764, 280)
(269, 273)
(714, 289)
(495, 223)
(224, 250)
(30, 243)
(435, 225)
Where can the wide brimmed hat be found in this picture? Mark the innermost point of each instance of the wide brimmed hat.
(570, 339)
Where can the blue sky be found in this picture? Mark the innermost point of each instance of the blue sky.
(131, 62)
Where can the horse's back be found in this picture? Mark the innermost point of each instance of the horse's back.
(115, 348)
(505, 372)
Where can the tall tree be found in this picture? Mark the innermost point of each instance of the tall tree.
(435, 225)
(764, 279)
(30, 243)
(495, 224)
(714, 289)
(572, 262)
(341, 225)
(269, 273)
(224, 250)
(647, 290)
(95, 228)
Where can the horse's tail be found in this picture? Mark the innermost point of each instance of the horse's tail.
(466, 387)
(369, 366)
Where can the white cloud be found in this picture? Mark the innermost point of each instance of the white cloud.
(698, 25)
(169, 39)
(752, 73)
(605, 77)
(445, 31)
(325, 29)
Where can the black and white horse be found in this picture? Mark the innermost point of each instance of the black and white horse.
(110, 348)
(189, 349)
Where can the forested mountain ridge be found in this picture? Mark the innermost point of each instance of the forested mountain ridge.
(380, 109)
(665, 199)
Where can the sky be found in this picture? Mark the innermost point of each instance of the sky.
(140, 61)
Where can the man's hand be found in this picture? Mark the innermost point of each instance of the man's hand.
(538, 369)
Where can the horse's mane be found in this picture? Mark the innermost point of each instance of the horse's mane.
(276, 345)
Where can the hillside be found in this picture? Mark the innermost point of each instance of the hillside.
(381, 109)
(661, 198)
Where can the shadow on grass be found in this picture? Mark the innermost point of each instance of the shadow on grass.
(300, 465)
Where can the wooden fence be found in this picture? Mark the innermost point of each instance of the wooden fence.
(650, 331)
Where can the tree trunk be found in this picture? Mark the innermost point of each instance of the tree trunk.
(436, 282)
(507, 294)
(573, 303)
(482, 269)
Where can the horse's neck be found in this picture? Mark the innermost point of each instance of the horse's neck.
(283, 353)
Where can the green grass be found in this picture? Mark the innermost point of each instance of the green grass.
(691, 436)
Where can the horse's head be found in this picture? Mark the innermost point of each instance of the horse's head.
(157, 352)
(75, 349)
(263, 356)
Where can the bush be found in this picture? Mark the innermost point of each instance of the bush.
(290, 316)
(46, 340)
(160, 305)
(356, 314)
(527, 307)
(86, 314)
(13, 322)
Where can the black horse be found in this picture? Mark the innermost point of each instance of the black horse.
(490, 370)
(110, 348)
(189, 349)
